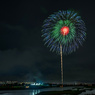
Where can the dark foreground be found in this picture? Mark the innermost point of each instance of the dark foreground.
(74, 91)
(52, 91)
(70, 92)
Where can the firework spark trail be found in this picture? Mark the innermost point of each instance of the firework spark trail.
(61, 65)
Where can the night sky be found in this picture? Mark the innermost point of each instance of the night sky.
(23, 55)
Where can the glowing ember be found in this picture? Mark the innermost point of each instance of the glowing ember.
(64, 30)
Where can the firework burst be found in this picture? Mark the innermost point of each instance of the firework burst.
(64, 28)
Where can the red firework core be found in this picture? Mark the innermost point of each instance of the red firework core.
(64, 30)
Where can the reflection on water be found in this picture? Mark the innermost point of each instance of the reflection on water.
(20, 92)
(34, 92)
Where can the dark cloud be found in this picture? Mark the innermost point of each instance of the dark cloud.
(17, 36)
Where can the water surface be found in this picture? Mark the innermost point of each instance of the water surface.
(31, 92)
(34, 92)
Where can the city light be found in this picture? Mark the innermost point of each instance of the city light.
(37, 84)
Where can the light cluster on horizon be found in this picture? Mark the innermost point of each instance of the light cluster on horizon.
(52, 31)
